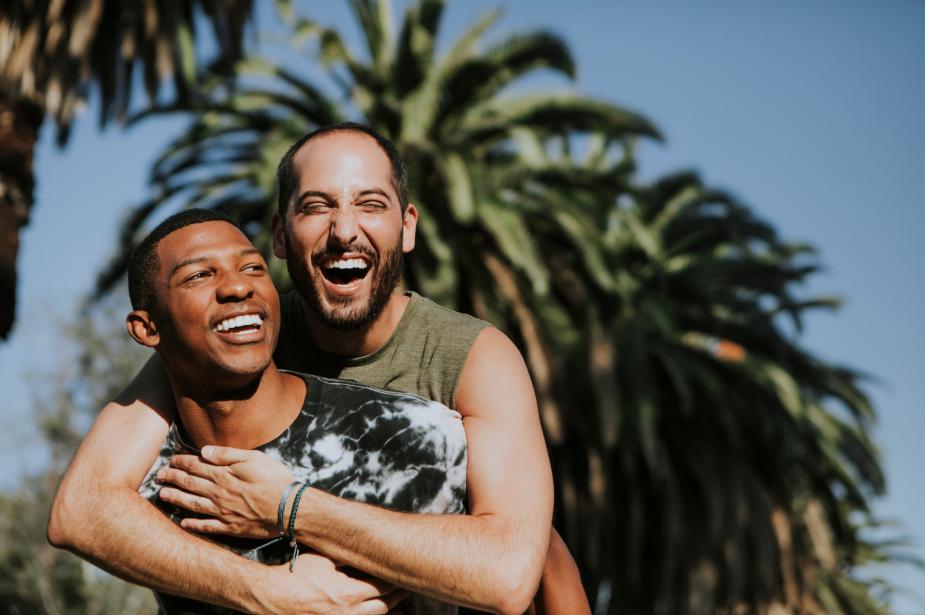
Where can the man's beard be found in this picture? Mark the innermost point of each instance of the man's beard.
(388, 272)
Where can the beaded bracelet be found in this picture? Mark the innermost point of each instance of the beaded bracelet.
(282, 507)
(292, 541)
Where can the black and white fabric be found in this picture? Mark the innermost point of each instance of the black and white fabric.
(370, 445)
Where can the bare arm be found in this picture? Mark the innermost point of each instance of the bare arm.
(490, 560)
(98, 514)
(561, 591)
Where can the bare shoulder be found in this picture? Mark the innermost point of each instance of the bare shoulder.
(493, 349)
(148, 390)
(494, 375)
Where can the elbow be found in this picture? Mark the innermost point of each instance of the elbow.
(514, 606)
(517, 601)
(517, 588)
(59, 532)
(67, 521)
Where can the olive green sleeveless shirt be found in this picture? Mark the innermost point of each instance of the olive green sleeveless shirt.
(425, 354)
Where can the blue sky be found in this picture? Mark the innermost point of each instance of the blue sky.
(809, 112)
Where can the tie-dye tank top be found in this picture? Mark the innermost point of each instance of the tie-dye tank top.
(365, 444)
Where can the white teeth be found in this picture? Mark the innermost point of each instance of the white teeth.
(238, 321)
(347, 263)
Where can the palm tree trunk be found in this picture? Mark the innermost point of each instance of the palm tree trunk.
(20, 120)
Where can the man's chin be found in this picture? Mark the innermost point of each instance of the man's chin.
(340, 311)
(239, 379)
(343, 317)
(347, 307)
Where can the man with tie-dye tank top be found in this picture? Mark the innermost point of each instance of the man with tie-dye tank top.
(343, 225)
(214, 322)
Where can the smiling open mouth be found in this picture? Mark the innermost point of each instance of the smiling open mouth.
(344, 271)
(239, 324)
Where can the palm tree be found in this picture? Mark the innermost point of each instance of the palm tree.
(52, 52)
(755, 451)
(704, 461)
(446, 114)
(451, 117)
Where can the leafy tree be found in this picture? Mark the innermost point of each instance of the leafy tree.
(453, 117)
(52, 52)
(34, 577)
(705, 462)
(449, 115)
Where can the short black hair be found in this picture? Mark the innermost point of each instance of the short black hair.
(287, 177)
(144, 265)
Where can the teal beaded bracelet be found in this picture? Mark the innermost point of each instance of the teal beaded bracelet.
(292, 541)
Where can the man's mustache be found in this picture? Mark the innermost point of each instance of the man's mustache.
(335, 251)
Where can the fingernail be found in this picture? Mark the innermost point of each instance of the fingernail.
(206, 450)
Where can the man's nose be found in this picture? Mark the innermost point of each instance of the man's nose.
(234, 286)
(344, 226)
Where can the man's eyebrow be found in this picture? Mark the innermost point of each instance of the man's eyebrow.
(327, 196)
(187, 262)
(369, 191)
(318, 193)
(200, 259)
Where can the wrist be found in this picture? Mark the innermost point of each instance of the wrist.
(254, 588)
(281, 525)
(309, 509)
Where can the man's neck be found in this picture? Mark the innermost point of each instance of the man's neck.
(362, 341)
(243, 417)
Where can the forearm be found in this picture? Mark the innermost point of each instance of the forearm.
(98, 514)
(116, 529)
(481, 562)
(561, 591)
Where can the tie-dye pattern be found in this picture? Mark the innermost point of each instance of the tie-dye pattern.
(365, 444)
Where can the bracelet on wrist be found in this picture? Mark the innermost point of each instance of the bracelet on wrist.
(292, 516)
(282, 507)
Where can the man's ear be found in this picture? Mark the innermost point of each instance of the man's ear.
(279, 236)
(409, 223)
(143, 330)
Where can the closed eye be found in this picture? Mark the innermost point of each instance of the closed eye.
(195, 277)
(314, 207)
(254, 268)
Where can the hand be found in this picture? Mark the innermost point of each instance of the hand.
(238, 490)
(318, 586)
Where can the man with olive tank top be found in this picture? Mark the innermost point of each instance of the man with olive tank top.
(343, 225)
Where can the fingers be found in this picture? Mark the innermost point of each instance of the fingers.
(378, 606)
(364, 595)
(193, 465)
(224, 455)
(367, 588)
(188, 482)
(193, 503)
(374, 607)
(378, 587)
(384, 604)
(206, 526)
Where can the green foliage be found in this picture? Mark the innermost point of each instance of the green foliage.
(704, 461)
(35, 577)
(53, 52)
